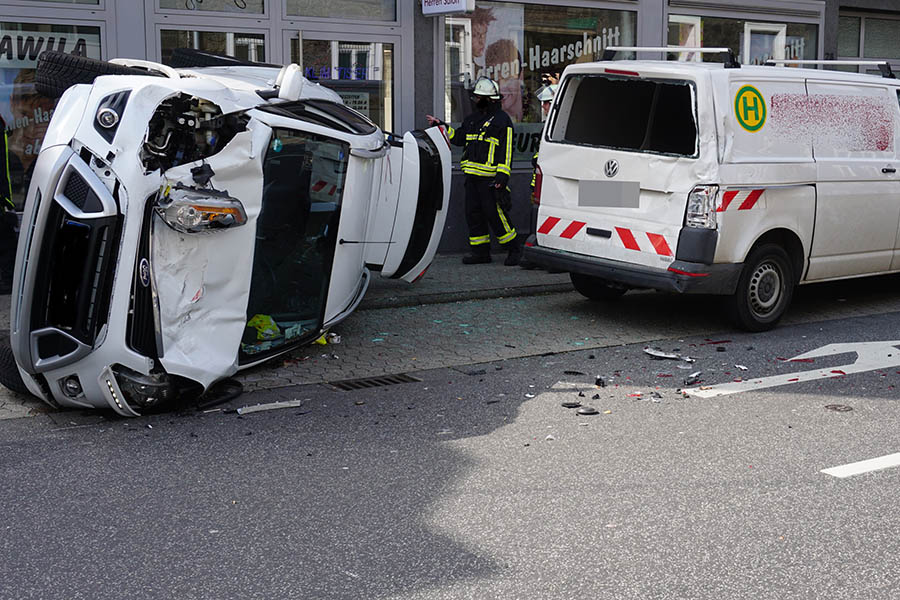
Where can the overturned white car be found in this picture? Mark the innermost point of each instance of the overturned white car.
(182, 225)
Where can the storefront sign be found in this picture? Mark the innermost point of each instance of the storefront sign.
(20, 49)
(440, 7)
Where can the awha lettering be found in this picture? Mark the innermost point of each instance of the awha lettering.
(21, 49)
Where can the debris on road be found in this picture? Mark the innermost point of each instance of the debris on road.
(571, 404)
(662, 355)
(588, 410)
(572, 372)
(600, 382)
(244, 410)
(693, 378)
(741, 367)
(838, 407)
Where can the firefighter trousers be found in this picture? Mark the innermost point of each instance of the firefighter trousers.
(484, 215)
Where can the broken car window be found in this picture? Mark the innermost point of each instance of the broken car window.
(324, 112)
(303, 181)
(628, 113)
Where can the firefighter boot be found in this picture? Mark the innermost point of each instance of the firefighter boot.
(515, 252)
(478, 255)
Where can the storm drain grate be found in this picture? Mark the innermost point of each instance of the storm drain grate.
(349, 385)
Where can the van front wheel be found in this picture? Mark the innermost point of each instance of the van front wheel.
(764, 290)
(596, 288)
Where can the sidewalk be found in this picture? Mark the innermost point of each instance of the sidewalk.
(448, 280)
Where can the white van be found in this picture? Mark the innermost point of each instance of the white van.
(698, 178)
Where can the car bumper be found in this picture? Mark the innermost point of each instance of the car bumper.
(680, 276)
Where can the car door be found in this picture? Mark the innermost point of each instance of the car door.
(854, 128)
(410, 206)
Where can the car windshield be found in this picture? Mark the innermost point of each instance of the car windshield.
(324, 112)
(303, 181)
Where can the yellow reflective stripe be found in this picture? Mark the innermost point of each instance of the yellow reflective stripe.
(508, 237)
(510, 231)
(492, 140)
(471, 136)
(490, 159)
(503, 169)
(451, 133)
(481, 239)
(474, 171)
(8, 178)
(508, 160)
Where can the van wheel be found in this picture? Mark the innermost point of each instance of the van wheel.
(764, 290)
(57, 71)
(596, 288)
(10, 377)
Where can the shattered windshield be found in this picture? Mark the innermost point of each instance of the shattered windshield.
(303, 181)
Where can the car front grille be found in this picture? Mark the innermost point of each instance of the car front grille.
(76, 265)
(141, 335)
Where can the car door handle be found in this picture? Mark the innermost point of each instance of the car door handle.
(887, 170)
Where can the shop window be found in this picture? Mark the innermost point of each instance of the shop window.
(515, 44)
(25, 112)
(254, 7)
(848, 36)
(882, 38)
(367, 10)
(753, 42)
(362, 73)
(93, 2)
(245, 46)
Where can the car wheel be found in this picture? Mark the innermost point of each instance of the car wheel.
(57, 71)
(764, 290)
(9, 373)
(596, 288)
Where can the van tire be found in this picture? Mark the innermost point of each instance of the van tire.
(596, 288)
(57, 71)
(10, 377)
(764, 290)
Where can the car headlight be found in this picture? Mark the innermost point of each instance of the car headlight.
(194, 210)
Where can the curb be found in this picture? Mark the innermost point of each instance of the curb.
(462, 296)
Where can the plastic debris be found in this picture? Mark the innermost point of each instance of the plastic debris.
(595, 397)
(334, 338)
(600, 382)
(571, 404)
(588, 410)
(741, 367)
(321, 340)
(607, 412)
(573, 372)
(635, 395)
(693, 378)
(266, 328)
(529, 395)
(550, 437)
(244, 410)
(661, 355)
(721, 348)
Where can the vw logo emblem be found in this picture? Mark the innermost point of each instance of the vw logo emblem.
(611, 168)
(144, 272)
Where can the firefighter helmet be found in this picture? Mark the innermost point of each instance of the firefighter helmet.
(486, 87)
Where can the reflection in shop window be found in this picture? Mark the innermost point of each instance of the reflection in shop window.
(753, 42)
(368, 10)
(232, 6)
(27, 113)
(245, 46)
(362, 73)
(514, 44)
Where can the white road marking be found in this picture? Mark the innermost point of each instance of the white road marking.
(869, 356)
(864, 466)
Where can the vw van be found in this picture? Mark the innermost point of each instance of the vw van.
(717, 178)
(184, 224)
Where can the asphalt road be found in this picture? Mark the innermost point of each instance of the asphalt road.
(476, 483)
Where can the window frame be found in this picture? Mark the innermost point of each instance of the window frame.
(863, 16)
(263, 16)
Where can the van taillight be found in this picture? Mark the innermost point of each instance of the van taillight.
(538, 180)
(701, 207)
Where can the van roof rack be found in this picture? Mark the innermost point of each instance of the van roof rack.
(730, 61)
(883, 65)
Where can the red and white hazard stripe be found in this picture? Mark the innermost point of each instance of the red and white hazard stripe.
(632, 239)
(739, 200)
(320, 185)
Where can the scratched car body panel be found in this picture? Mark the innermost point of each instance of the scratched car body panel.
(180, 228)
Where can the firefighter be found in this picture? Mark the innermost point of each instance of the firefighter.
(486, 138)
(545, 96)
(7, 219)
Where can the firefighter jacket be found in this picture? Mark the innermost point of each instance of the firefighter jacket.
(486, 138)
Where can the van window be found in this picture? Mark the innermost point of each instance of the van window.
(628, 113)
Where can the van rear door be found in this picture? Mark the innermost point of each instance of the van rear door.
(623, 150)
(405, 227)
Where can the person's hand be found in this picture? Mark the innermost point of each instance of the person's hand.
(432, 120)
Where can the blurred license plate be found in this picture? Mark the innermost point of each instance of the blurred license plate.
(610, 194)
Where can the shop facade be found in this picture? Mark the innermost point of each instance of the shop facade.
(392, 62)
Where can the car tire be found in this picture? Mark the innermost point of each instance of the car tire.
(596, 288)
(57, 71)
(10, 377)
(764, 290)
